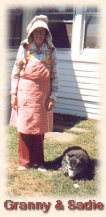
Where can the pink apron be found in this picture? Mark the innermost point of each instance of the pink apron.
(34, 89)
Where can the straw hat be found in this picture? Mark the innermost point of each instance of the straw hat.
(39, 21)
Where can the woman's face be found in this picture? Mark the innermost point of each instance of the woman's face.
(39, 36)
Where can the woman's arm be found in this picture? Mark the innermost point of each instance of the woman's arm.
(55, 83)
(16, 69)
(15, 75)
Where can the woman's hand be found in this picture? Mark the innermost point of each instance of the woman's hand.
(50, 104)
(14, 101)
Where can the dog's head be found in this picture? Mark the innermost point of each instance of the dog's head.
(74, 165)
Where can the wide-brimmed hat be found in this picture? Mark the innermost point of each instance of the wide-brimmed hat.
(39, 21)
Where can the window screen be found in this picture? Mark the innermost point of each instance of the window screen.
(14, 27)
(92, 28)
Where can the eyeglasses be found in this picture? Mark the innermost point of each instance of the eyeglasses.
(41, 32)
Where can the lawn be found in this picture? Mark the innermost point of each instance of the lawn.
(68, 131)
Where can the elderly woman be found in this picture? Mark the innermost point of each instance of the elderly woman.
(34, 85)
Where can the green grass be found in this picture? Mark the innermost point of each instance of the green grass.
(53, 182)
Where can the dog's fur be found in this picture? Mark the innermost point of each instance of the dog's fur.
(76, 163)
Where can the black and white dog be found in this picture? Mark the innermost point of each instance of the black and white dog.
(76, 163)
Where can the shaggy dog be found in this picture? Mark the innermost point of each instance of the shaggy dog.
(76, 163)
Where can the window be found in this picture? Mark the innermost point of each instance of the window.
(60, 25)
(15, 27)
(91, 28)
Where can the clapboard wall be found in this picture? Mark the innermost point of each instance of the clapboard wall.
(79, 87)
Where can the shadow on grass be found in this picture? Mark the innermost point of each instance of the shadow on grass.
(66, 121)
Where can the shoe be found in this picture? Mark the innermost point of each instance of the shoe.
(22, 168)
(42, 169)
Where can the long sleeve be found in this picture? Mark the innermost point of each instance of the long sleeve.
(20, 61)
(54, 77)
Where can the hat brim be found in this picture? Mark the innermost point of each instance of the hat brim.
(39, 24)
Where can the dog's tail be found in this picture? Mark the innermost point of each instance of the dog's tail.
(54, 164)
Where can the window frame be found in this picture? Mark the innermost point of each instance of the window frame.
(78, 52)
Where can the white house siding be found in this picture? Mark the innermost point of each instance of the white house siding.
(79, 87)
